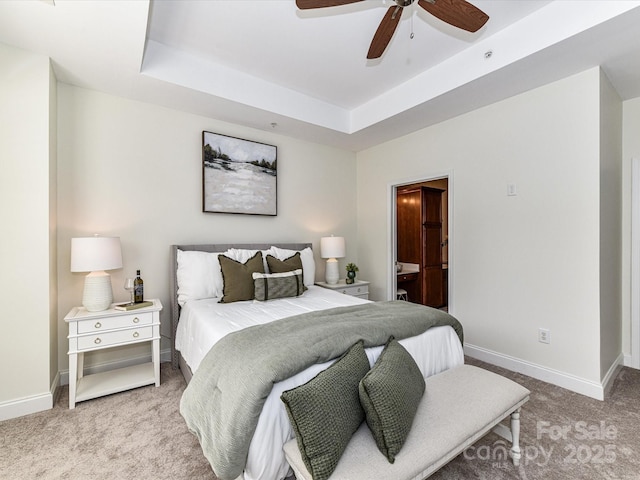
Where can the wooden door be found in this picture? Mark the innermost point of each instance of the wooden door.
(409, 238)
(432, 278)
(409, 217)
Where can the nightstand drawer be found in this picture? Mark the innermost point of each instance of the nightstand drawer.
(358, 289)
(99, 340)
(355, 290)
(111, 323)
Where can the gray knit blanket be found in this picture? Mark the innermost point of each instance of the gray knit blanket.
(223, 401)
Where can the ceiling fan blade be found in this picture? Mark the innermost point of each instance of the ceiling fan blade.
(458, 13)
(307, 4)
(384, 32)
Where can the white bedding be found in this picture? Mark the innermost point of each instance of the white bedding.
(204, 322)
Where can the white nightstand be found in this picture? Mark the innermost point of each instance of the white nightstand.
(90, 331)
(358, 288)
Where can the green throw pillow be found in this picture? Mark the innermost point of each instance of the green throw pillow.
(279, 266)
(238, 277)
(390, 394)
(325, 412)
(269, 286)
(290, 264)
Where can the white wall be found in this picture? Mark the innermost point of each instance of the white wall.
(134, 170)
(610, 227)
(517, 263)
(27, 285)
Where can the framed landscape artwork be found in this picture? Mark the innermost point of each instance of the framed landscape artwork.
(238, 176)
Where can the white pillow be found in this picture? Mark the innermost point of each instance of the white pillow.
(242, 255)
(308, 263)
(198, 276)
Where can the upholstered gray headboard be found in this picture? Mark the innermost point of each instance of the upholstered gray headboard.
(175, 307)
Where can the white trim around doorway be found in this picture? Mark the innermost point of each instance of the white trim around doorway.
(635, 263)
(391, 228)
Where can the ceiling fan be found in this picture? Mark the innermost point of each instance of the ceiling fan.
(458, 13)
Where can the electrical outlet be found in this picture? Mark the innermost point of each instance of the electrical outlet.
(544, 336)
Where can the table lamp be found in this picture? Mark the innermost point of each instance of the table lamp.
(95, 255)
(332, 248)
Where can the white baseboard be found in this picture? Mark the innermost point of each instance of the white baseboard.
(570, 382)
(32, 404)
(607, 381)
(165, 356)
(628, 361)
(25, 406)
(38, 403)
(55, 388)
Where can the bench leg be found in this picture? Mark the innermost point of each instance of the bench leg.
(515, 437)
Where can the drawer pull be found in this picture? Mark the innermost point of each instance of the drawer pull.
(136, 320)
(136, 334)
(97, 341)
(98, 325)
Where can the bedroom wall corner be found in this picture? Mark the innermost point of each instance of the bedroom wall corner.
(630, 150)
(134, 170)
(610, 226)
(54, 373)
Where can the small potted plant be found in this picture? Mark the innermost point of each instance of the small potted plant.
(352, 268)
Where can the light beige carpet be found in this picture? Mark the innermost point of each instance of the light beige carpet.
(140, 435)
(137, 434)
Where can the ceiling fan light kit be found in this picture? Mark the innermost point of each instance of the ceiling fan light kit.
(459, 13)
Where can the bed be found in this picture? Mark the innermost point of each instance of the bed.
(199, 323)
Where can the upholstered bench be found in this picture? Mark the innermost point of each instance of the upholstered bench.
(459, 406)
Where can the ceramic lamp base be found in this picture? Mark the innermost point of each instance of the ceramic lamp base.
(332, 274)
(97, 295)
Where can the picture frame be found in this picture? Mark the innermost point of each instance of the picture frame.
(238, 176)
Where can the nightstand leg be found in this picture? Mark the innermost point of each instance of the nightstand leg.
(156, 360)
(80, 365)
(73, 379)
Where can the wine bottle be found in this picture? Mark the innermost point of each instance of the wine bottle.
(138, 288)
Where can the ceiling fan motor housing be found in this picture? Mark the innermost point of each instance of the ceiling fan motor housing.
(404, 3)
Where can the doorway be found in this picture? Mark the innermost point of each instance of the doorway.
(421, 229)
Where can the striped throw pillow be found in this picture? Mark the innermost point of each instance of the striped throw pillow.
(269, 286)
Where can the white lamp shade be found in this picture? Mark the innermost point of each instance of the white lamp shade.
(92, 254)
(332, 247)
